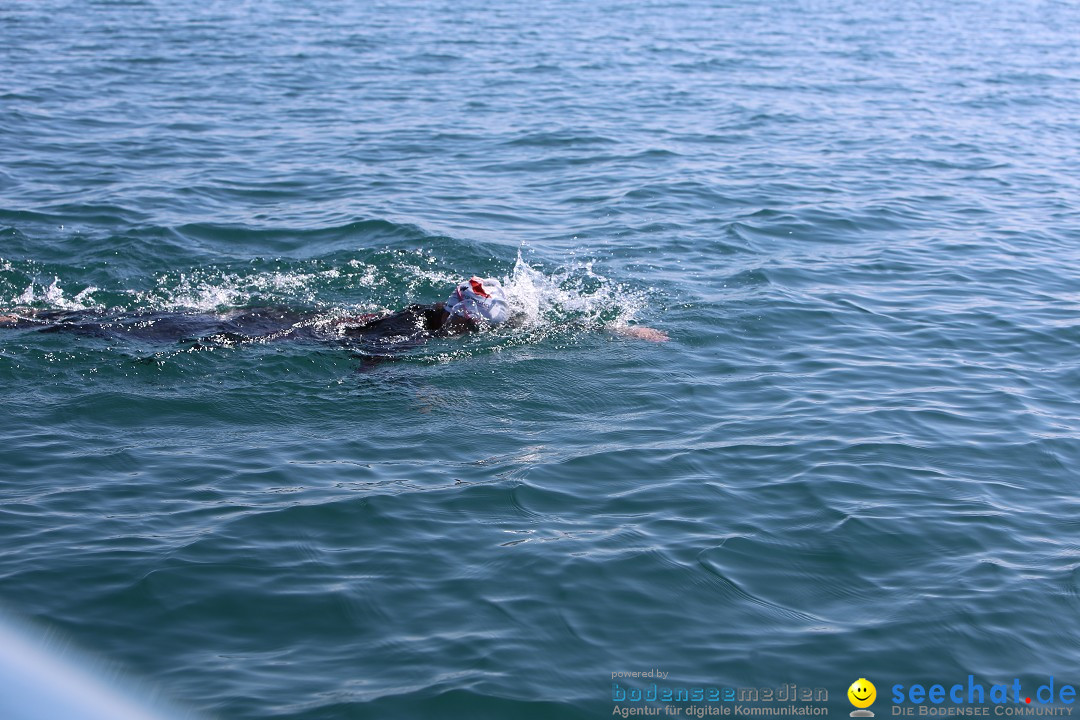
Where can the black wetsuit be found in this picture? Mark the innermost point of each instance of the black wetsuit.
(424, 319)
(371, 334)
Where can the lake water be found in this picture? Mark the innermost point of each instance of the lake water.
(855, 457)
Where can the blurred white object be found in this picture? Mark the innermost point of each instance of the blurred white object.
(43, 678)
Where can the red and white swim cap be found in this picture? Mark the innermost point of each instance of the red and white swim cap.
(481, 300)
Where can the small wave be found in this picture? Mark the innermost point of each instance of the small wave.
(561, 138)
(300, 242)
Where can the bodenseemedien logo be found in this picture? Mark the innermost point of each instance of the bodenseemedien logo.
(862, 694)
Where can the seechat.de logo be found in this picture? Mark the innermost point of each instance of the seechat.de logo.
(862, 694)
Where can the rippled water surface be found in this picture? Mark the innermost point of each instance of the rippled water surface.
(855, 457)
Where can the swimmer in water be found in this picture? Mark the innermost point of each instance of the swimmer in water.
(473, 305)
(476, 304)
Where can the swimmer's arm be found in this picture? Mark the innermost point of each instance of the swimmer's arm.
(354, 319)
(455, 325)
(640, 332)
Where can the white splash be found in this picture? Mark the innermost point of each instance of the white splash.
(53, 296)
(572, 293)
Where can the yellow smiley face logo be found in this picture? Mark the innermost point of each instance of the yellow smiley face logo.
(862, 693)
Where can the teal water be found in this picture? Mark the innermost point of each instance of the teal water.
(854, 458)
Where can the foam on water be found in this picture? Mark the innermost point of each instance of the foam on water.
(213, 290)
(52, 296)
(573, 293)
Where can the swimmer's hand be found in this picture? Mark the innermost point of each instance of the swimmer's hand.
(13, 318)
(639, 332)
